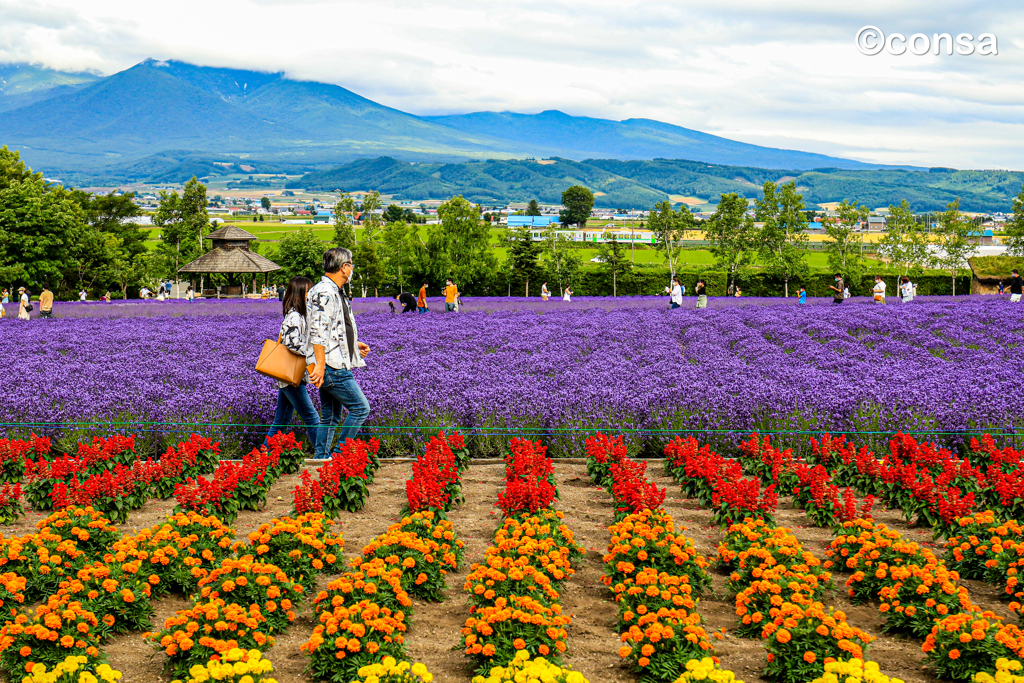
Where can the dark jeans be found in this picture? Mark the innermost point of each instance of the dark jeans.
(837, 301)
(340, 390)
(674, 305)
(45, 314)
(449, 308)
(291, 400)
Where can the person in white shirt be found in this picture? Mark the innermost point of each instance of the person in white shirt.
(906, 290)
(144, 293)
(567, 296)
(545, 293)
(879, 290)
(81, 295)
(675, 293)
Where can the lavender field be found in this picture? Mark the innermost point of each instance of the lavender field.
(554, 370)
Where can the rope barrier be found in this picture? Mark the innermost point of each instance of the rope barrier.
(492, 431)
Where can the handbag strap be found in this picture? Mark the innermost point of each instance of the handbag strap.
(278, 337)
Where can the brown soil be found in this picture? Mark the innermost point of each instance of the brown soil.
(433, 637)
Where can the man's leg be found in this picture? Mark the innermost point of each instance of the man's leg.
(330, 418)
(346, 392)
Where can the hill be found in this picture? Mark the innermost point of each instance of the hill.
(640, 184)
(67, 123)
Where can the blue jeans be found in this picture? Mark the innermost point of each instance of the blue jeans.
(291, 400)
(449, 308)
(340, 390)
(421, 309)
(674, 305)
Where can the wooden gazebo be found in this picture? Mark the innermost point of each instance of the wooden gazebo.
(230, 254)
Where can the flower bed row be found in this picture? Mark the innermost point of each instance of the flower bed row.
(778, 586)
(718, 482)
(514, 595)
(342, 483)
(921, 597)
(654, 571)
(363, 615)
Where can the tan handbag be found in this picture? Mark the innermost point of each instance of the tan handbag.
(278, 362)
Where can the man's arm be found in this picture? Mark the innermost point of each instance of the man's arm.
(317, 376)
(321, 310)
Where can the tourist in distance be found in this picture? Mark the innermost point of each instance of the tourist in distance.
(879, 290)
(144, 293)
(545, 293)
(294, 334)
(906, 290)
(702, 294)
(451, 296)
(46, 302)
(675, 292)
(337, 350)
(567, 294)
(1001, 288)
(421, 300)
(82, 296)
(408, 302)
(5, 298)
(838, 288)
(106, 296)
(280, 292)
(1015, 287)
(24, 305)
(802, 293)
(738, 292)
(190, 294)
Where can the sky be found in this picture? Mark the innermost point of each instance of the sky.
(783, 74)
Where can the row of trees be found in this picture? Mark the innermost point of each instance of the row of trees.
(64, 237)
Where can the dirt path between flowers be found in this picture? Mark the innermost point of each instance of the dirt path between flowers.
(433, 636)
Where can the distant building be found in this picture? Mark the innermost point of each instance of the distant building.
(876, 223)
(531, 221)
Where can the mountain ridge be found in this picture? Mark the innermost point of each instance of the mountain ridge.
(157, 106)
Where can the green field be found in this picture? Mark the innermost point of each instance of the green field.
(273, 231)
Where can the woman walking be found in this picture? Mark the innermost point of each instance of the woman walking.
(906, 290)
(702, 294)
(567, 294)
(24, 306)
(295, 336)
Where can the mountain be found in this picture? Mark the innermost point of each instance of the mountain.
(80, 123)
(577, 137)
(641, 184)
(22, 84)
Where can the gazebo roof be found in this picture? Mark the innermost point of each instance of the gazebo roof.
(230, 260)
(230, 232)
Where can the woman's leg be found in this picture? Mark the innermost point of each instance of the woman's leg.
(283, 414)
(299, 396)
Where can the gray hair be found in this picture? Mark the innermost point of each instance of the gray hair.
(335, 258)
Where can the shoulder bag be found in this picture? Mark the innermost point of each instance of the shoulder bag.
(278, 362)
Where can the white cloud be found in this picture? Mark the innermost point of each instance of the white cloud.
(782, 73)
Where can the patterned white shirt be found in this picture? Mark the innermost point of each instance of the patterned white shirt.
(325, 316)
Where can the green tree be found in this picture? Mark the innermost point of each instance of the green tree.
(668, 227)
(613, 259)
(521, 261)
(578, 202)
(732, 235)
(13, 169)
(393, 213)
(783, 237)
(560, 258)
(370, 272)
(371, 221)
(844, 240)
(403, 252)
(301, 253)
(344, 233)
(1015, 227)
(265, 203)
(183, 221)
(904, 245)
(954, 241)
(533, 208)
(39, 224)
(459, 246)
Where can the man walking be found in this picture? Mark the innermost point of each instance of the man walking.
(451, 295)
(46, 302)
(1015, 287)
(837, 290)
(421, 300)
(337, 349)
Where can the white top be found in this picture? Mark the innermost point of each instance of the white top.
(24, 299)
(568, 293)
(81, 295)
(544, 290)
(907, 289)
(879, 287)
(677, 294)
